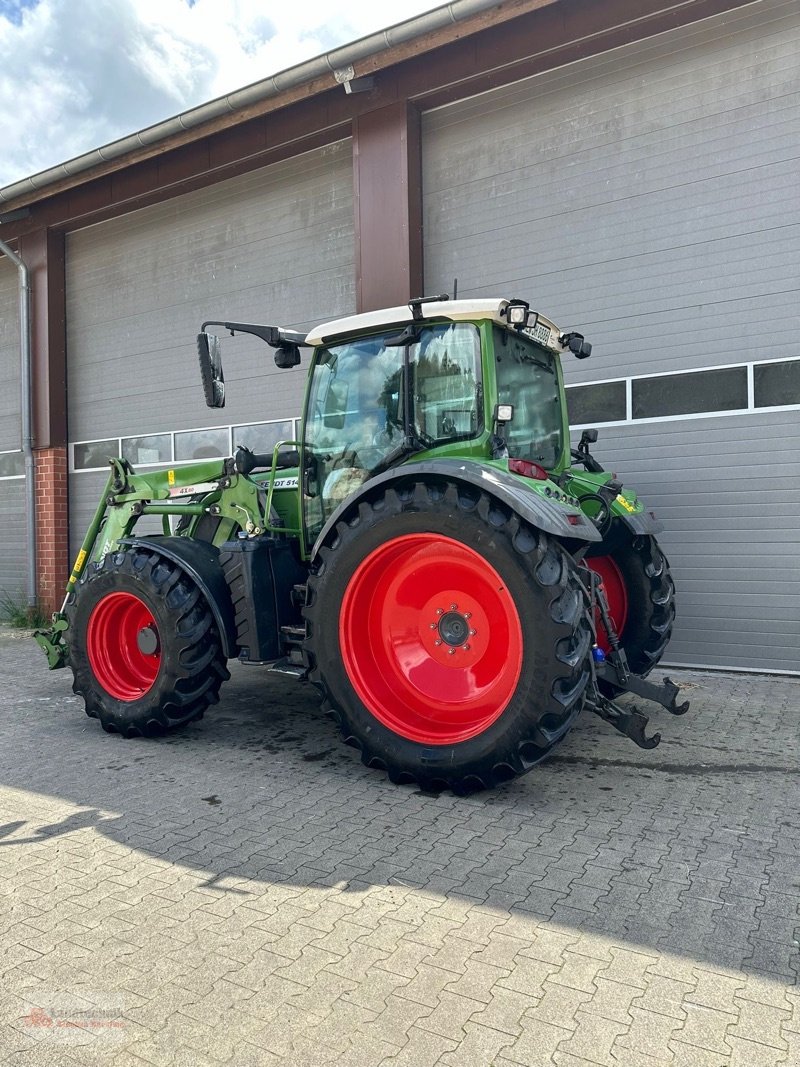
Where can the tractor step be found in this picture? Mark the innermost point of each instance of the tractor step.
(292, 638)
(287, 667)
(299, 594)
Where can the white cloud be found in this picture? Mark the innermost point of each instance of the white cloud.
(76, 75)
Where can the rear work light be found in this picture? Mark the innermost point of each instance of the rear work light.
(528, 469)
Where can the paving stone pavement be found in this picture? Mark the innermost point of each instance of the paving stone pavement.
(246, 893)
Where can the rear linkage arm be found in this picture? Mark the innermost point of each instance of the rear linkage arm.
(613, 668)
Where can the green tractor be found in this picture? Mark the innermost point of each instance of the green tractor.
(455, 580)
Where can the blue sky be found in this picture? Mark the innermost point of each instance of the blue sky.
(77, 74)
(13, 9)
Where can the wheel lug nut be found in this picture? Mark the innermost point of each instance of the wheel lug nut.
(453, 607)
(467, 614)
(437, 641)
(466, 648)
(433, 625)
(472, 633)
(439, 611)
(452, 652)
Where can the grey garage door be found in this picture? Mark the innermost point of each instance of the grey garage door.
(12, 485)
(649, 196)
(272, 246)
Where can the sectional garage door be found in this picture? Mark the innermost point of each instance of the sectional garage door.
(12, 484)
(650, 197)
(272, 246)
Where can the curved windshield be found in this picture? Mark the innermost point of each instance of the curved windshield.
(372, 402)
(526, 378)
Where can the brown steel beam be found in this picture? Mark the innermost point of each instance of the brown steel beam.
(43, 254)
(387, 186)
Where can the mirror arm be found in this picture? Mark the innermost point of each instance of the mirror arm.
(275, 336)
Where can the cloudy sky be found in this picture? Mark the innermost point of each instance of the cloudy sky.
(76, 74)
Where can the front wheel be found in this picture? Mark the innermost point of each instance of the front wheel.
(450, 639)
(144, 648)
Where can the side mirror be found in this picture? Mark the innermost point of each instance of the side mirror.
(213, 379)
(287, 356)
(575, 342)
(588, 437)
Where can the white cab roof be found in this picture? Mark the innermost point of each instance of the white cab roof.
(455, 310)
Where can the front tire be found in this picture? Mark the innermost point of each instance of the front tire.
(450, 639)
(144, 648)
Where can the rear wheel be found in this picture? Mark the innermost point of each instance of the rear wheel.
(143, 646)
(450, 640)
(641, 599)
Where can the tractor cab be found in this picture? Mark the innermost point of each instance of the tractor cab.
(476, 379)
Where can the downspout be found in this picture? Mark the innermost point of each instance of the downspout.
(27, 422)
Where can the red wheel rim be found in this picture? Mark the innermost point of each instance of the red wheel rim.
(123, 646)
(431, 639)
(616, 595)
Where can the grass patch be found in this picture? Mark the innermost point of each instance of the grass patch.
(17, 614)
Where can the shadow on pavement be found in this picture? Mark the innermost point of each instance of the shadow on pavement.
(691, 848)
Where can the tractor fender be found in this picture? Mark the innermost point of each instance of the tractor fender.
(200, 561)
(540, 512)
(641, 523)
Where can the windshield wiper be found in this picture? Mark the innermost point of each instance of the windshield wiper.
(520, 358)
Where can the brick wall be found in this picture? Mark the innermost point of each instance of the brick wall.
(51, 527)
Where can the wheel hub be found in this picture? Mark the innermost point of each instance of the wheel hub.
(147, 640)
(453, 628)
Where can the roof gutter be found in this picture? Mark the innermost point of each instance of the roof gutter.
(26, 418)
(334, 63)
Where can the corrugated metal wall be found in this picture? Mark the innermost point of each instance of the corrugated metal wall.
(12, 490)
(728, 492)
(275, 245)
(650, 197)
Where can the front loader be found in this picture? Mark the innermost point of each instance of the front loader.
(457, 582)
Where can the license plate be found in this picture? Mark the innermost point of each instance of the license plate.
(540, 332)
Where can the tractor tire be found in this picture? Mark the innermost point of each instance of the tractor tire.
(144, 649)
(450, 640)
(641, 599)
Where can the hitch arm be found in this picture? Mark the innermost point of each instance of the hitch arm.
(665, 694)
(630, 722)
